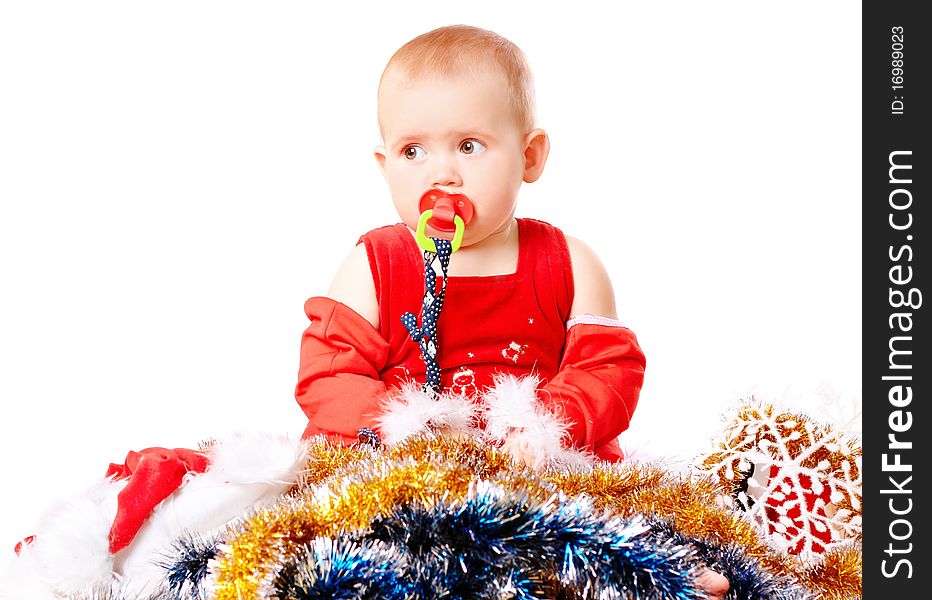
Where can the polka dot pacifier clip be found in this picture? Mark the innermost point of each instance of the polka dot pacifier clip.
(426, 334)
(450, 206)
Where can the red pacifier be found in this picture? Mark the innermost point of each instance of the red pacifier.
(445, 207)
(444, 212)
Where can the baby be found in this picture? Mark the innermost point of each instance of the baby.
(528, 344)
(528, 348)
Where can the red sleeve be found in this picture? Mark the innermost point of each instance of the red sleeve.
(338, 378)
(597, 385)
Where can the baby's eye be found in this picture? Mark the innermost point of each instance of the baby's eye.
(472, 147)
(413, 152)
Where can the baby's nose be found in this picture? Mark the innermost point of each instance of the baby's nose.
(445, 173)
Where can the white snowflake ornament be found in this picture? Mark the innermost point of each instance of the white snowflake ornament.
(798, 481)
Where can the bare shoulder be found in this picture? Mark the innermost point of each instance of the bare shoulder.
(594, 294)
(353, 286)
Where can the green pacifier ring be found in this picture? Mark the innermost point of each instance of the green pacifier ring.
(428, 244)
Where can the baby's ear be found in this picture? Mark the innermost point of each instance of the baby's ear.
(379, 153)
(536, 150)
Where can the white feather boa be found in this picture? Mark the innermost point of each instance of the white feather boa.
(524, 426)
(514, 419)
(412, 411)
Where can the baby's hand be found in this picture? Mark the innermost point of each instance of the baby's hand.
(519, 450)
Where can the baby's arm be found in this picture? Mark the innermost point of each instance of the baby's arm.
(593, 294)
(353, 286)
(342, 353)
(599, 380)
(597, 385)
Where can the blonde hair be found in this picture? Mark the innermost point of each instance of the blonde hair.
(458, 49)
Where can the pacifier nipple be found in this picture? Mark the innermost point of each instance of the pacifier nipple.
(444, 211)
(445, 207)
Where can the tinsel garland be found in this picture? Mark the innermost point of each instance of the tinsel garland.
(695, 504)
(455, 517)
(837, 575)
(495, 541)
(437, 512)
(187, 564)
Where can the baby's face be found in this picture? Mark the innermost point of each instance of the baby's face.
(457, 135)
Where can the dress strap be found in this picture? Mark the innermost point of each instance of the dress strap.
(545, 257)
(398, 274)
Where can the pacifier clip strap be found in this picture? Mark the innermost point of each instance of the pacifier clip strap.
(426, 334)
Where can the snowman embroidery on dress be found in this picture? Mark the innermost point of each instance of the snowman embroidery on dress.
(464, 382)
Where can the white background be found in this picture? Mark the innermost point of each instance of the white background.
(176, 179)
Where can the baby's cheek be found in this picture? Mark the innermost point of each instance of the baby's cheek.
(407, 212)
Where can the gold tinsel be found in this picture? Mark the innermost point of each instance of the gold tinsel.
(363, 485)
(838, 576)
(325, 459)
(345, 489)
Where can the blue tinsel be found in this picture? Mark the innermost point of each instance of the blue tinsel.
(343, 569)
(186, 566)
(747, 578)
(500, 542)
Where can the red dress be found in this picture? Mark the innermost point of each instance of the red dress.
(514, 324)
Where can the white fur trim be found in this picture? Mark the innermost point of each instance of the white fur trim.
(526, 428)
(414, 411)
(247, 471)
(593, 320)
(71, 551)
(20, 580)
